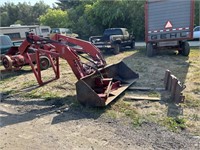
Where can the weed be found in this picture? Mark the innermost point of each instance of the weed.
(28, 84)
(153, 113)
(10, 78)
(196, 90)
(136, 119)
(41, 94)
(136, 122)
(130, 113)
(191, 101)
(195, 117)
(121, 106)
(8, 92)
(174, 124)
(124, 108)
(112, 114)
(153, 94)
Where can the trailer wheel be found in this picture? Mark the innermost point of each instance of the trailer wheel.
(44, 63)
(150, 50)
(185, 49)
(116, 49)
(7, 62)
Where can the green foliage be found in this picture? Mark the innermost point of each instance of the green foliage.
(174, 124)
(92, 17)
(153, 94)
(191, 101)
(197, 10)
(111, 114)
(68, 4)
(136, 119)
(40, 94)
(23, 13)
(55, 18)
(125, 109)
(86, 18)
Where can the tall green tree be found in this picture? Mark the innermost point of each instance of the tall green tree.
(23, 13)
(40, 8)
(55, 18)
(92, 17)
(68, 4)
(9, 14)
(197, 12)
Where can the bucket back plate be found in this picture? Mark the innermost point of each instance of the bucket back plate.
(93, 90)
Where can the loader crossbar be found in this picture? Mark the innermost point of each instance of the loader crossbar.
(97, 85)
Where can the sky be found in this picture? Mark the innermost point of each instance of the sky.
(48, 2)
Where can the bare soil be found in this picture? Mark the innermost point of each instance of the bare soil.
(49, 117)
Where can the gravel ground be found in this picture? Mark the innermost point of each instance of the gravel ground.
(37, 124)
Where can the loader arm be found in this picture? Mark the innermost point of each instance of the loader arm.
(97, 85)
(87, 48)
(58, 47)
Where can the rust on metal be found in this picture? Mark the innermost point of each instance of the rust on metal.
(166, 79)
(92, 94)
(175, 87)
(98, 84)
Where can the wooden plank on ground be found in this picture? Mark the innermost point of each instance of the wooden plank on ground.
(141, 98)
(145, 88)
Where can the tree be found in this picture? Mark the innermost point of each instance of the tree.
(68, 4)
(4, 19)
(91, 17)
(197, 11)
(55, 18)
(22, 12)
(9, 14)
(40, 8)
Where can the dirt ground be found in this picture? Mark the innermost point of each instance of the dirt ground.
(49, 117)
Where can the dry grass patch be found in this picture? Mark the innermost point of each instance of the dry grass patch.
(151, 72)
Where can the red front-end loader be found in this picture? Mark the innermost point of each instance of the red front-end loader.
(98, 84)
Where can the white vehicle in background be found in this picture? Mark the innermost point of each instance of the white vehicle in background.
(63, 31)
(18, 32)
(196, 32)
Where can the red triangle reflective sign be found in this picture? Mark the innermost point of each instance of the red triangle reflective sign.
(168, 24)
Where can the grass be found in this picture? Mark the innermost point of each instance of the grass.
(41, 94)
(29, 84)
(124, 109)
(136, 119)
(112, 114)
(174, 124)
(185, 68)
(195, 117)
(8, 79)
(191, 101)
(153, 94)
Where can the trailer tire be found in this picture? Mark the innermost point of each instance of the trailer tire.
(150, 50)
(44, 63)
(185, 49)
(116, 49)
(6, 62)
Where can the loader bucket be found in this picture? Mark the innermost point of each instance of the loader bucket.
(93, 90)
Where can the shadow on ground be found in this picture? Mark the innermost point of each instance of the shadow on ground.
(18, 110)
(10, 74)
(151, 71)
